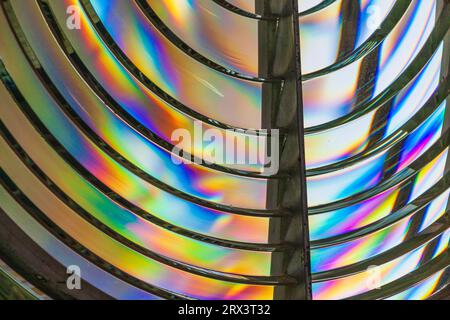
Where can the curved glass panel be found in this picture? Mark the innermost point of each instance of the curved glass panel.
(422, 290)
(122, 257)
(378, 242)
(213, 31)
(336, 94)
(304, 5)
(128, 149)
(376, 144)
(134, 100)
(368, 173)
(106, 282)
(358, 283)
(327, 146)
(125, 223)
(144, 195)
(324, 29)
(89, 159)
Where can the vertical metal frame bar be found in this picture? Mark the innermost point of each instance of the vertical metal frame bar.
(283, 109)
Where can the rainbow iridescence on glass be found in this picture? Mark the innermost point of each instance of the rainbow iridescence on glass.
(359, 283)
(377, 166)
(87, 167)
(193, 180)
(336, 94)
(422, 290)
(243, 5)
(136, 100)
(99, 136)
